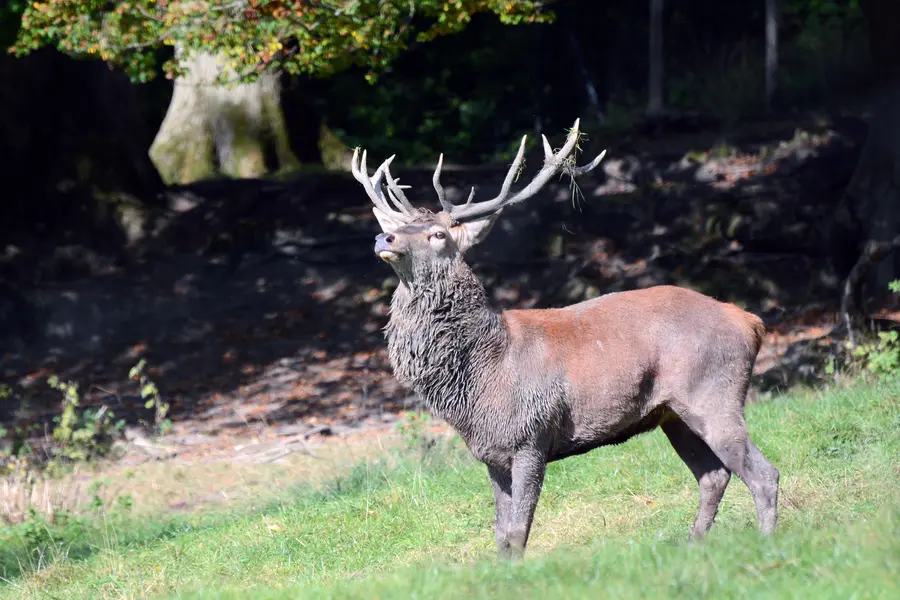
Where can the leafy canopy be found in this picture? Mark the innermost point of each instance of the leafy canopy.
(316, 37)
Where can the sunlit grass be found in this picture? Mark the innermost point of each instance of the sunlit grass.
(613, 521)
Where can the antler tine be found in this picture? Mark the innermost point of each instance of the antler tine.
(578, 171)
(553, 164)
(395, 191)
(360, 175)
(512, 173)
(442, 198)
(548, 149)
(436, 181)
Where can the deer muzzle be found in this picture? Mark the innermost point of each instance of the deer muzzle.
(389, 247)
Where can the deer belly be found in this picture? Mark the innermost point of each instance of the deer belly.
(586, 436)
(608, 408)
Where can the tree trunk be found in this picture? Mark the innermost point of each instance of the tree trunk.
(655, 71)
(871, 205)
(212, 130)
(771, 50)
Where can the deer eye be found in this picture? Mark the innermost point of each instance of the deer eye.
(439, 235)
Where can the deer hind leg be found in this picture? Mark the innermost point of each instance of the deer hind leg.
(766, 478)
(711, 475)
(725, 432)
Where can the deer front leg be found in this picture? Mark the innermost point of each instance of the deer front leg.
(501, 482)
(528, 471)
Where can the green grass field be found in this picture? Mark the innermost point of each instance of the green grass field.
(613, 522)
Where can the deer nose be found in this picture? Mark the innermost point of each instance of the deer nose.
(389, 247)
(384, 241)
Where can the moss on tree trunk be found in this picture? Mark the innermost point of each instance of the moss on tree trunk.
(335, 153)
(221, 130)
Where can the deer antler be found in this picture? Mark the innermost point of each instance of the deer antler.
(553, 164)
(403, 209)
(373, 187)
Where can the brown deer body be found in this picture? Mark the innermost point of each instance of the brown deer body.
(527, 387)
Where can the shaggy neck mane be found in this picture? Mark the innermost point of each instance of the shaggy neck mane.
(441, 336)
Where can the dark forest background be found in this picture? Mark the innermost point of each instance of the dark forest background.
(767, 178)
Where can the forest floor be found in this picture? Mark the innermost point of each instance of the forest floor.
(259, 306)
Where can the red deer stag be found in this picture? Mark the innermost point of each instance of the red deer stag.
(526, 387)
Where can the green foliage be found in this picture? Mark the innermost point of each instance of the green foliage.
(822, 51)
(458, 95)
(814, 15)
(35, 531)
(45, 534)
(827, 53)
(473, 94)
(16, 451)
(413, 428)
(881, 357)
(297, 36)
(151, 397)
(81, 435)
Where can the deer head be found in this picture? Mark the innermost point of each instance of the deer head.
(415, 240)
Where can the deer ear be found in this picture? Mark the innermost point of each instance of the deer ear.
(470, 233)
(388, 222)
